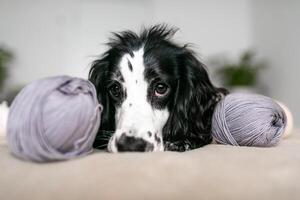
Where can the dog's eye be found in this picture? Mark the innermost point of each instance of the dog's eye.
(161, 89)
(115, 90)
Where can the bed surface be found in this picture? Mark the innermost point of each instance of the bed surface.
(212, 172)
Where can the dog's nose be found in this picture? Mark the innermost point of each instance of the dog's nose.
(129, 143)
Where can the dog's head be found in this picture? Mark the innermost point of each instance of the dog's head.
(152, 91)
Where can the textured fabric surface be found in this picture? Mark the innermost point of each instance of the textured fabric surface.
(54, 118)
(212, 172)
(248, 120)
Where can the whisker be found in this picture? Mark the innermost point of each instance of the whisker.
(107, 136)
(104, 135)
(101, 146)
(106, 132)
(102, 140)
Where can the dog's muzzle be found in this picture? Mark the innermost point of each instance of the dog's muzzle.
(130, 143)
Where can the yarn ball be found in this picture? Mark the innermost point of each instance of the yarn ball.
(248, 120)
(55, 118)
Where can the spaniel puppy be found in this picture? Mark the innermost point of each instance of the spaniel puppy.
(155, 94)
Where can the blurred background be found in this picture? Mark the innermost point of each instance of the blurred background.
(247, 45)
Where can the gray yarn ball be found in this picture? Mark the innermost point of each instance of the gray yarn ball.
(248, 120)
(55, 118)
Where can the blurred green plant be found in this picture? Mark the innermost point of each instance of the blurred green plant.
(5, 57)
(243, 73)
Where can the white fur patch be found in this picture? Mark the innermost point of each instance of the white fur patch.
(136, 117)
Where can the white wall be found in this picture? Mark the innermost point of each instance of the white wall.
(51, 37)
(214, 26)
(63, 37)
(276, 36)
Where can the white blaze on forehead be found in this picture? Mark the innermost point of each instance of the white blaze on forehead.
(134, 80)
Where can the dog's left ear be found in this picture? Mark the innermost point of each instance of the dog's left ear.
(189, 124)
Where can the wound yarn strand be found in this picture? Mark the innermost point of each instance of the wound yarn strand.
(248, 120)
(55, 118)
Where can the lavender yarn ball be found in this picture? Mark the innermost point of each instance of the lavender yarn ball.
(55, 118)
(248, 120)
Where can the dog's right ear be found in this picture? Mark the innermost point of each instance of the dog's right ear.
(98, 75)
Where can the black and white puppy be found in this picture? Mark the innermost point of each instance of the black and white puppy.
(155, 94)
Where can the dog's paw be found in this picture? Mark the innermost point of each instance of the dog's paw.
(180, 146)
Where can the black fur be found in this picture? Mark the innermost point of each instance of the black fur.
(193, 97)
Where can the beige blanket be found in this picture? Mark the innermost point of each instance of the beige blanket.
(212, 172)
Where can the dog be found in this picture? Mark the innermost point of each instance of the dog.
(156, 94)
